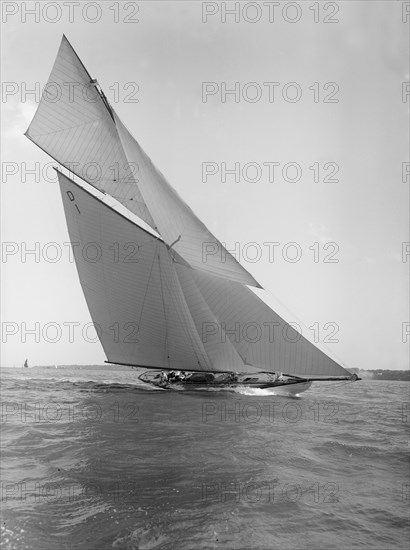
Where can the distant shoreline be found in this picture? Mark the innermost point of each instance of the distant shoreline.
(374, 374)
(382, 374)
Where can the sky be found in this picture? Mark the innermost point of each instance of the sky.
(320, 111)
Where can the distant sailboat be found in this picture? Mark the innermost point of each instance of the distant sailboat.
(26, 364)
(157, 300)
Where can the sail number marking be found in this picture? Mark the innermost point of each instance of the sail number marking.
(72, 199)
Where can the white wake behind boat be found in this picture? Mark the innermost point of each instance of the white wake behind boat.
(161, 289)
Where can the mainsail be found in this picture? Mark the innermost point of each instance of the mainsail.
(130, 285)
(157, 297)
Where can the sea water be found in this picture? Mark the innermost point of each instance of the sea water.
(92, 458)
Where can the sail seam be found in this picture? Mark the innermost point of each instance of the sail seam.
(174, 292)
(66, 128)
(165, 314)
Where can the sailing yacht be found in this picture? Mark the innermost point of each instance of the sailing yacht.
(156, 299)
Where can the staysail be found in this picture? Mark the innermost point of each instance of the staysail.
(158, 298)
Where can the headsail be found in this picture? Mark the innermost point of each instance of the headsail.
(261, 337)
(220, 350)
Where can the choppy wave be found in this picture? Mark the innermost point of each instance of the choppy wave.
(98, 460)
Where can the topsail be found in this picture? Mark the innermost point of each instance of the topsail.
(176, 304)
(75, 125)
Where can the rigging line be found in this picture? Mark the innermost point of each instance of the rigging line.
(219, 321)
(95, 83)
(148, 243)
(189, 333)
(183, 319)
(105, 286)
(146, 290)
(163, 305)
(169, 246)
(323, 347)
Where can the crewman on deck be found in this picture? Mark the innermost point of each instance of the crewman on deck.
(164, 378)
